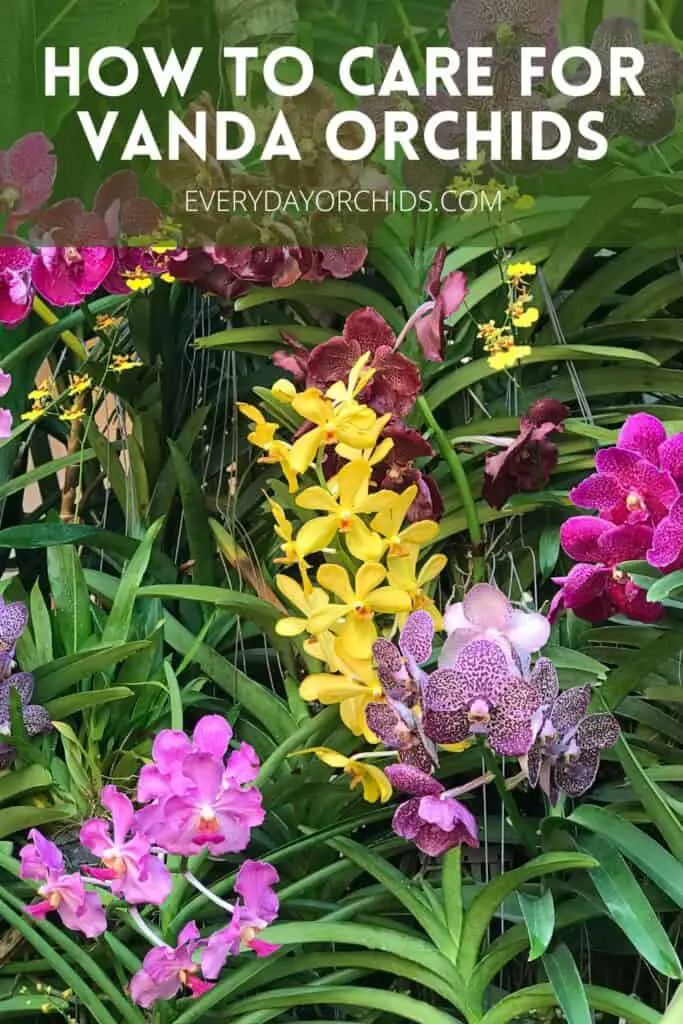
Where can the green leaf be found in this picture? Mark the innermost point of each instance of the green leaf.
(308, 294)
(70, 596)
(539, 917)
(674, 1009)
(121, 614)
(166, 483)
(19, 1006)
(663, 588)
(202, 550)
(265, 340)
(64, 707)
(564, 657)
(53, 679)
(26, 780)
(640, 848)
(489, 898)
(249, 607)
(21, 818)
(630, 908)
(565, 979)
(650, 795)
(630, 675)
(537, 998)
(175, 698)
(41, 625)
(20, 483)
(451, 888)
(44, 535)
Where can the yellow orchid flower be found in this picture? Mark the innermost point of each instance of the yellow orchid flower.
(263, 436)
(344, 501)
(509, 357)
(309, 603)
(370, 455)
(348, 423)
(404, 575)
(359, 603)
(292, 552)
(72, 415)
(120, 364)
(352, 683)
(340, 392)
(517, 271)
(80, 382)
(389, 522)
(376, 785)
(284, 390)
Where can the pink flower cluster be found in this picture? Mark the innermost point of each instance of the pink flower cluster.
(195, 795)
(637, 492)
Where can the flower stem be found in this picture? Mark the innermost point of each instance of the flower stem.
(421, 311)
(223, 904)
(481, 780)
(68, 337)
(461, 482)
(663, 23)
(144, 928)
(509, 803)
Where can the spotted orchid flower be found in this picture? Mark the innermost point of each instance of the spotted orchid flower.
(431, 818)
(130, 868)
(258, 908)
(13, 620)
(627, 488)
(565, 755)
(486, 613)
(399, 668)
(35, 718)
(481, 694)
(167, 970)
(79, 910)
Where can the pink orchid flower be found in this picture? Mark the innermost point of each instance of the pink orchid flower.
(27, 174)
(259, 909)
(133, 871)
(165, 971)
(79, 910)
(5, 414)
(65, 275)
(16, 285)
(446, 297)
(164, 776)
(431, 818)
(486, 613)
(211, 812)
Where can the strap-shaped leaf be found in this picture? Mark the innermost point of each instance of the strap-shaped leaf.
(567, 985)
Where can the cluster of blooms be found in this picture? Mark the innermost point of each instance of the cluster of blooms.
(48, 397)
(637, 492)
(484, 686)
(13, 620)
(78, 251)
(499, 342)
(193, 798)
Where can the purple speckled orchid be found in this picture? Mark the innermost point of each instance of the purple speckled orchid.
(79, 910)
(486, 613)
(596, 588)
(565, 755)
(400, 728)
(65, 275)
(399, 668)
(258, 909)
(13, 621)
(27, 174)
(432, 818)
(482, 694)
(167, 970)
(35, 718)
(130, 868)
(16, 281)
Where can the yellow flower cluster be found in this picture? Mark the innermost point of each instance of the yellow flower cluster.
(500, 341)
(47, 397)
(497, 192)
(369, 580)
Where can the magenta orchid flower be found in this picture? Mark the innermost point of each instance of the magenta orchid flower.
(132, 871)
(166, 971)
(627, 488)
(16, 281)
(164, 776)
(79, 910)
(211, 812)
(27, 174)
(487, 613)
(432, 819)
(596, 588)
(258, 909)
(65, 275)
(446, 297)
(481, 694)
(5, 414)
(666, 551)
(565, 755)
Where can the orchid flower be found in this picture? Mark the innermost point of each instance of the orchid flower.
(79, 910)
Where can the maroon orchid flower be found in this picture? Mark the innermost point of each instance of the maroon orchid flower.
(446, 297)
(565, 755)
(396, 472)
(526, 462)
(126, 213)
(596, 588)
(27, 174)
(396, 383)
(432, 818)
